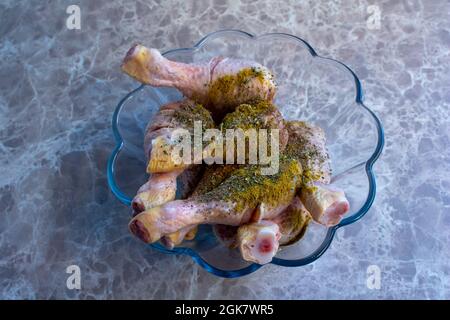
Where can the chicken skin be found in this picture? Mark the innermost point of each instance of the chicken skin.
(327, 204)
(159, 139)
(220, 84)
(160, 188)
(158, 146)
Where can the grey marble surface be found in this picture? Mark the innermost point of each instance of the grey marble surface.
(58, 89)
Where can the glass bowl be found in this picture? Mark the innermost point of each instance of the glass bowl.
(321, 90)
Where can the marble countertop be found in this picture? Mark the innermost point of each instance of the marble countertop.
(58, 89)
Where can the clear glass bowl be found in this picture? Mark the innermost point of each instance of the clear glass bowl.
(312, 88)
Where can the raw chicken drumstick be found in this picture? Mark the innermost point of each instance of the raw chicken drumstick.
(327, 204)
(220, 84)
(162, 187)
(259, 241)
(158, 145)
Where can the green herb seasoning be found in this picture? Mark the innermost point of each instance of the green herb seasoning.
(308, 153)
(225, 89)
(247, 187)
(190, 112)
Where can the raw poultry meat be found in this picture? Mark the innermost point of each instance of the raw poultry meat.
(158, 144)
(255, 212)
(293, 222)
(244, 195)
(237, 195)
(220, 84)
(162, 187)
(226, 181)
(259, 241)
(260, 115)
(159, 139)
(327, 204)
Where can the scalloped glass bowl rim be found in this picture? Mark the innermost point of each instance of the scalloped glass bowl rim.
(277, 261)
